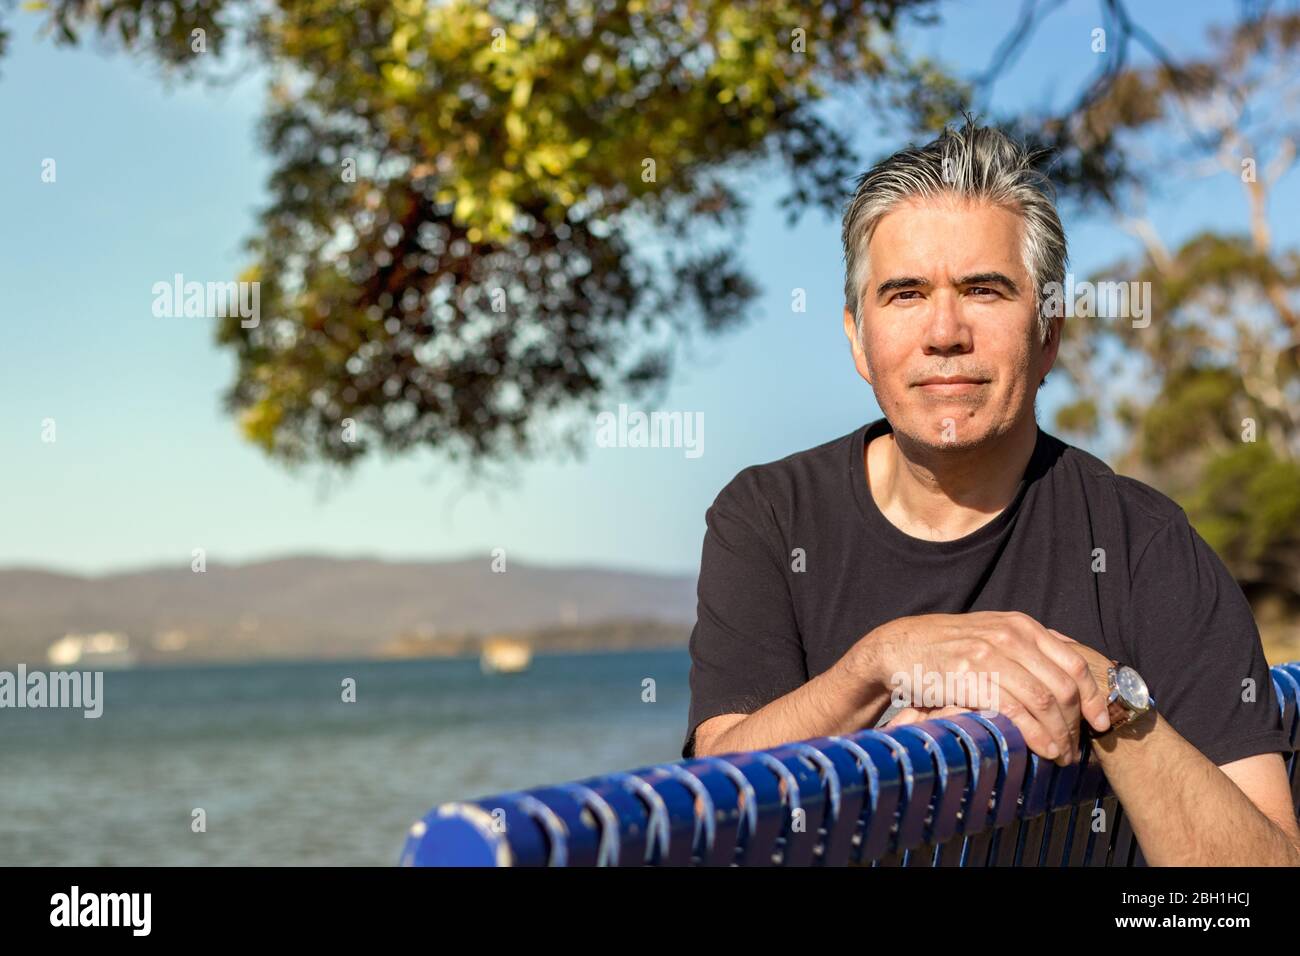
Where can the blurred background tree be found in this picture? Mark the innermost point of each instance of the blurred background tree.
(1207, 396)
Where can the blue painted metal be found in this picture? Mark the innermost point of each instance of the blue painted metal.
(675, 824)
(845, 776)
(976, 814)
(806, 803)
(876, 828)
(725, 789)
(956, 791)
(757, 845)
(918, 778)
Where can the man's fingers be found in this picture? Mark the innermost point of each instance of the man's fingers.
(1034, 709)
(1091, 702)
(1065, 670)
(1092, 699)
(1024, 640)
(1045, 686)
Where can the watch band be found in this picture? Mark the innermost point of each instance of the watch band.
(1119, 715)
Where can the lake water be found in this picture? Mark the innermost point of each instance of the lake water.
(288, 773)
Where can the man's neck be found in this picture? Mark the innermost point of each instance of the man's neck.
(947, 493)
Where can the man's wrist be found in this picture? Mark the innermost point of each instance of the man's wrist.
(861, 671)
(1135, 729)
(861, 663)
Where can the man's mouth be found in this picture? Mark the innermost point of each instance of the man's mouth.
(950, 384)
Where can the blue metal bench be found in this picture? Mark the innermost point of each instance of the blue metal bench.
(958, 791)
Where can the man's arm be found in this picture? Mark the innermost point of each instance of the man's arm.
(1201, 782)
(1239, 814)
(838, 701)
(1262, 778)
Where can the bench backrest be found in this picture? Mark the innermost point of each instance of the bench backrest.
(958, 791)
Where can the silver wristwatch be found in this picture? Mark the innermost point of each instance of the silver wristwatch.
(1128, 697)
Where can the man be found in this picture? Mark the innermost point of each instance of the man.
(954, 537)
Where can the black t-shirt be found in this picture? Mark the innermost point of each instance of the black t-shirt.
(1165, 603)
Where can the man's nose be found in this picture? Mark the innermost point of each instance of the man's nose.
(947, 331)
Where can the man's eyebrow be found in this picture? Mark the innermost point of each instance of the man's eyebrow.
(989, 278)
(902, 282)
(975, 278)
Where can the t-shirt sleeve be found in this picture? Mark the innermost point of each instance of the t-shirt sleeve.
(1199, 649)
(745, 648)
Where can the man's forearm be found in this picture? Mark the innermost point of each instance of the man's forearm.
(842, 700)
(1184, 810)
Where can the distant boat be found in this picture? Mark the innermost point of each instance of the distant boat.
(106, 650)
(504, 655)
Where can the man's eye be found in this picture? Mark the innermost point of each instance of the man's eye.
(984, 289)
(906, 292)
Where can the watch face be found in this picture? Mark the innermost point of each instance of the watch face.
(1132, 688)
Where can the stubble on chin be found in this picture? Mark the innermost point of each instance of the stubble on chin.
(940, 423)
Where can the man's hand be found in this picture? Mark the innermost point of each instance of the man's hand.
(1098, 663)
(1045, 684)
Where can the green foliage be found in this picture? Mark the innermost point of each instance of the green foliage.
(1078, 416)
(1247, 502)
(1193, 406)
(164, 27)
(1211, 263)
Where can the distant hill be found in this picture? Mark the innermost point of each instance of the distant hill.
(304, 607)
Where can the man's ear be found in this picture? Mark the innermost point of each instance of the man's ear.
(1053, 345)
(859, 357)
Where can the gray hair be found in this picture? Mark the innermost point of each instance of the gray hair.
(976, 162)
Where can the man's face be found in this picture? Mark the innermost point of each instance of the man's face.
(947, 295)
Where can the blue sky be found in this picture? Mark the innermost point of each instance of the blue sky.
(154, 180)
